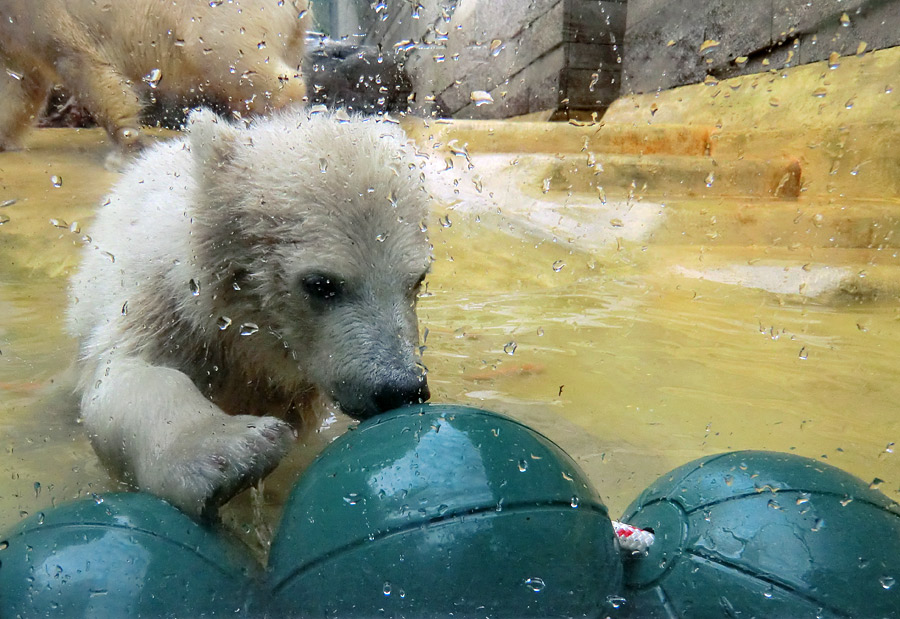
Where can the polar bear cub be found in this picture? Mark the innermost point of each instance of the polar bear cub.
(234, 274)
(244, 55)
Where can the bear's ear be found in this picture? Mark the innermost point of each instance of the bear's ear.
(212, 139)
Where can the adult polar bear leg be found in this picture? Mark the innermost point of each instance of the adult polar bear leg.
(155, 428)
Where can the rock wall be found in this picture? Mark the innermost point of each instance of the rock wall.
(668, 43)
(516, 56)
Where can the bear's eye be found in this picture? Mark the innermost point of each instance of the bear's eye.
(322, 287)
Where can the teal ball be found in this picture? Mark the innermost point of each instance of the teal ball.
(764, 534)
(439, 511)
(121, 555)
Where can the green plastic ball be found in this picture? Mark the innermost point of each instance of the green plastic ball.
(121, 555)
(439, 511)
(764, 534)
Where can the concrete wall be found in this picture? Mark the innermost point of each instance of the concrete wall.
(663, 39)
(530, 55)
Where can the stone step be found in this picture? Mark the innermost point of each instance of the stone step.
(655, 176)
(792, 225)
(484, 136)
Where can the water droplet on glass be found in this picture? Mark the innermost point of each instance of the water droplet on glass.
(535, 584)
(710, 179)
(223, 322)
(595, 77)
(215, 3)
(834, 60)
(352, 498)
(249, 328)
(153, 78)
(510, 348)
(496, 47)
(574, 502)
(616, 601)
(523, 466)
(381, 237)
(194, 287)
(405, 45)
(558, 266)
(386, 589)
(4, 545)
(4, 219)
(323, 165)
(818, 525)
(6, 203)
(545, 187)
(481, 97)
(820, 92)
(567, 476)
(56, 181)
(445, 221)
(887, 582)
(804, 354)
(459, 151)
(845, 20)
(708, 44)
(37, 489)
(876, 483)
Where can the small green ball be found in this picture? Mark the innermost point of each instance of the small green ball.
(764, 534)
(438, 511)
(122, 555)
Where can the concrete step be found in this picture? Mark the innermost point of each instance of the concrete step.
(483, 136)
(799, 224)
(664, 176)
(840, 122)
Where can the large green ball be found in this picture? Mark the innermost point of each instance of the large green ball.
(439, 511)
(121, 555)
(764, 534)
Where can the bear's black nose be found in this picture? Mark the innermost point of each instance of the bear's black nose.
(411, 389)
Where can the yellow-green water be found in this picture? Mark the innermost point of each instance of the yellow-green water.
(632, 371)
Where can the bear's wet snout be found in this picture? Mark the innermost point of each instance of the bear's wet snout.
(411, 389)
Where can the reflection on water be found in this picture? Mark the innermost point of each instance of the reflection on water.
(629, 369)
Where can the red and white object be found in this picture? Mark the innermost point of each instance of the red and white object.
(631, 538)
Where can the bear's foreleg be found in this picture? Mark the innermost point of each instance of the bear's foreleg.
(22, 98)
(154, 428)
(106, 93)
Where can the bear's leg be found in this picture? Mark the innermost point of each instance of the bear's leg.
(265, 88)
(106, 93)
(153, 427)
(22, 98)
